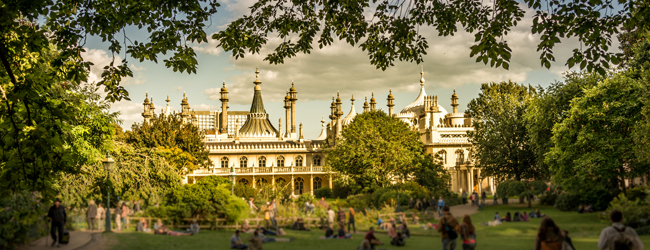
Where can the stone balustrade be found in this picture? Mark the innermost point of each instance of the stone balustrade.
(259, 170)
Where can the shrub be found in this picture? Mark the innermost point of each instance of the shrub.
(375, 196)
(246, 191)
(548, 199)
(20, 217)
(360, 200)
(634, 212)
(599, 197)
(173, 214)
(235, 209)
(323, 192)
(635, 193)
(340, 191)
(567, 202)
(304, 198)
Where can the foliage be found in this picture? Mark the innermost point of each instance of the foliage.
(49, 122)
(640, 71)
(182, 141)
(633, 210)
(548, 199)
(568, 201)
(208, 197)
(500, 140)
(281, 191)
(174, 213)
(340, 190)
(373, 149)
(431, 174)
(304, 198)
(593, 145)
(245, 191)
(323, 192)
(360, 201)
(551, 106)
(393, 33)
(20, 218)
(638, 192)
(598, 197)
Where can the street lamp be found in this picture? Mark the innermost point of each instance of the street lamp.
(480, 183)
(397, 179)
(108, 166)
(232, 179)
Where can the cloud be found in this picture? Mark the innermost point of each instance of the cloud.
(204, 106)
(209, 48)
(136, 68)
(130, 112)
(178, 88)
(100, 59)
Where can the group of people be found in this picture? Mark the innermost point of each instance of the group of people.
(473, 198)
(96, 215)
(258, 237)
(586, 209)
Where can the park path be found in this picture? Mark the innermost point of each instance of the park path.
(79, 240)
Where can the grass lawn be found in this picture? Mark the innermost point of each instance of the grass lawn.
(584, 229)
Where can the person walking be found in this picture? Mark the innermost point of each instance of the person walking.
(618, 236)
(549, 236)
(341, 217)
(136, 207)
(101, 214)
(351, 221)
(441, 203)
(125, 214)
(330, 217)
(58, 217)
(91, 215)
(483, 196)
(272, 213)
(463, 195)
(118, 218)
(468, 233)
(433, 204)
(411, 203)
(252, 206)
(448, 227)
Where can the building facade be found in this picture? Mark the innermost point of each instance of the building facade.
(246, 146)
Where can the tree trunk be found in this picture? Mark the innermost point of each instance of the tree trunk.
(530, 201)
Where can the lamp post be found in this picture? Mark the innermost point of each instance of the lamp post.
(108, 166)
(232, 180)
(397, 179)
(480, 182)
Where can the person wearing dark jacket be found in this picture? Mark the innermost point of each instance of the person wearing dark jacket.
(91, 214)
(59, 217)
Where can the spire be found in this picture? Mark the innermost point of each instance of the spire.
(454, 101)
(257, 122)
(373, 102)
(422, 76)
(323, 131)
(167, 111)
(365, 106)
(352, 100)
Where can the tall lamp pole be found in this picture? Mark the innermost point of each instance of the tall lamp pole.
(397, 179)
(480, 182)
(232, 180)
(108, 166)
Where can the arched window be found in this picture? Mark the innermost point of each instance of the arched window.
(262, 162)
(224, 162)
(280, 161)
(318, 182)
(243, 162)
(460, 157)
(280, 181)
(443, 155)
(299, 186)
(261, 181)
(243, 181)
(299, 161)
(317, 160)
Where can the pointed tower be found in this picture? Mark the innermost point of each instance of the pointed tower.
(339, 114)
(147, 112)
(391, 102)
(258, 125)
(454, 102)
(323, 131)
(373, 102)
(223, 128)
(366, 108)
(350, 117)
(167, 111)
(287, 116)
(294, 98)
(185, 110)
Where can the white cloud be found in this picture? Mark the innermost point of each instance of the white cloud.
(204, 106)
(130, 112)
(178, 88)
(100, 59)
(136, 68)
(209, 48)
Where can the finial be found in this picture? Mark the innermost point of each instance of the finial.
(390, 91)
(352, 99)
(291, 83)
(454, 90)
(147, 93)
(337, 93)
(332, 98)
(422, 75)
(167, 100)
(373, 94)
(224, 83)
(184, 95)
(366, 99)
(257, 73)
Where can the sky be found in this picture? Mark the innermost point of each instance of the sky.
(320, 75)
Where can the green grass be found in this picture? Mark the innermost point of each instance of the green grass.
(584, 229)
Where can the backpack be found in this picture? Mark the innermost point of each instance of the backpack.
(451, 232)
(621, 241)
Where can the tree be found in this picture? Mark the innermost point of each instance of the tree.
(393, 31)
(373, 149)
(183, 142)
(500, 141)
(551, 106)
(594, 144)
(640, 70)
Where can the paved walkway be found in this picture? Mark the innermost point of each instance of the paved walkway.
(78, 240)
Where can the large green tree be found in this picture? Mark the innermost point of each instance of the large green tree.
(500, 140)
(390, 30)
(551, 106)
(182, 141)
(594, 145)
(374, 148)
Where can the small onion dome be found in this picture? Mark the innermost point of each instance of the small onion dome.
(146, 99)
(292, 89)
(338, 98)
(224, 89)
(390, 94)
(287, 97)
(454, 95)
(373, 98)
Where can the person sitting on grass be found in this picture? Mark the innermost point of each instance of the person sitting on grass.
(398, 240)
(245, 228)
(329, 233)
(380, 223)
(256, 241)
(157, 228)
(507, 218)
(581, 209)
(392, 231)
(496, 216)
(194, 227)
(516, 217)
(372, 240)
(236, 242)
(524, 217)
(365, 245)
(406, 232)
(590, 209)
(343, 235)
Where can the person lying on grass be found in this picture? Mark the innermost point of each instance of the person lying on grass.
(265, 239)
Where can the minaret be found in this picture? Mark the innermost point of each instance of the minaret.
(185, 109)
(294, 98)
(280, 129)
(339, 114)
(333, 117)
(300, 131)
(454, 102)
(287, 108)
(365, 106)
(147, 113)
(373, 103)
(391, 102)
(152, 108)
(224, 110)
(167, 110)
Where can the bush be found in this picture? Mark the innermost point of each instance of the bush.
(20, 217)
(548, 199)
(235, 209)
(323, 192)
(360, 201)
(634, 212)
(304, 198)
(173, 214)
(246, 191)
(567, 202)
(635, 193)
(340, 191)
(599, 197)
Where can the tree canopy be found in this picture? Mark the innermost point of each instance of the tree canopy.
(376, 147)
(500, 141)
